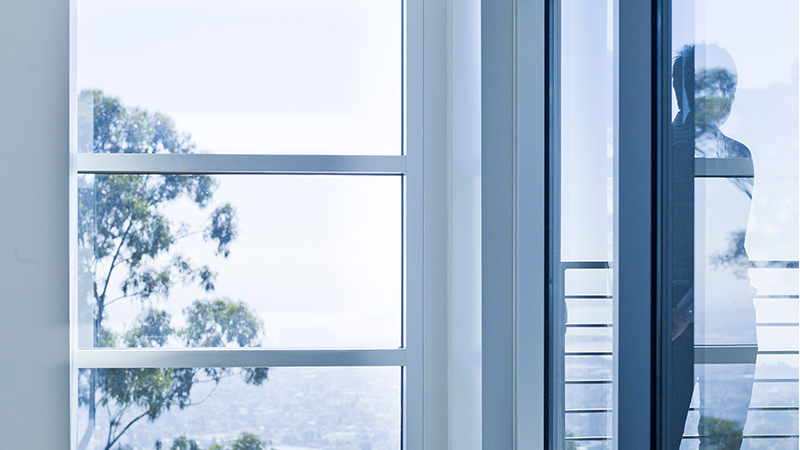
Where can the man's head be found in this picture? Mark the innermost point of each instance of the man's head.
(704, 78)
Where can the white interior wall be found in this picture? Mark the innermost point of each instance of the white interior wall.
(34, 224)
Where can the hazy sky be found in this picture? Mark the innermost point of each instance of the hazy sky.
(300, 76)
(319, 258)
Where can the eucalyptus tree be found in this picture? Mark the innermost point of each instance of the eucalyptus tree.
(128, 254)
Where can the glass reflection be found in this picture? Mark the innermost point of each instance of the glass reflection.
(719, 309)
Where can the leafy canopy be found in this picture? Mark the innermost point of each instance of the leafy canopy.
(128, 250)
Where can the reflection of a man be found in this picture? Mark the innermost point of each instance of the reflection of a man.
(719, 309)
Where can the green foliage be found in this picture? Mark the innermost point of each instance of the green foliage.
(152, 391)
(720, 433)
(714, 92)
(220, 323)
(117, 129)
(127, 230)
(223, 228)
(184, 444)
(152, 330)
(247, 441)
(128, 237)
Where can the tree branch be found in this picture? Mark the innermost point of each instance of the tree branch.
(101, 299)
(123, 297)
(119, 435)
(114, 259)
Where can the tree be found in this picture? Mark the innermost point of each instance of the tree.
(126, 240)
(181, 443)
(249, 441)
(720, 433)
(245, 441)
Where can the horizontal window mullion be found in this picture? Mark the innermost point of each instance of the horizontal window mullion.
(723, 168)
(240, 164)
(222, 357)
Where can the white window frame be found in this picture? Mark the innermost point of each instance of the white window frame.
(422, 357)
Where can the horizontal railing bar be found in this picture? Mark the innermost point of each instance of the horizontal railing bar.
(762, 408)
(588, 438)
(589, 325)
(774, 264)
(584, 265)
(757, 380)
(588, 410)
(752, 408)
(252, 357)
(747, 436)
(777, 324)
(754, 264)
(240, 164)
(756, 436)
(723, 167)
(771, 436)
(711, 354)
(588, 382)
(611, 297)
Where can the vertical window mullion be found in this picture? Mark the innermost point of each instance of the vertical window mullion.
(638, 299)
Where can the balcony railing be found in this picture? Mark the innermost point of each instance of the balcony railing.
(783, 385)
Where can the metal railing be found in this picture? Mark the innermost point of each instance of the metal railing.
(703, 355)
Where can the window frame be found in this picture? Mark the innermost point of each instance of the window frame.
(423, 166)
(515, 92)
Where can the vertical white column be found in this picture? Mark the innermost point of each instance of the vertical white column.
(464, 249)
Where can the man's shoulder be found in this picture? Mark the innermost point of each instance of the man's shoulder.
(735, 149)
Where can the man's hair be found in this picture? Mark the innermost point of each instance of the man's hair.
(683, 76)
(711, 56)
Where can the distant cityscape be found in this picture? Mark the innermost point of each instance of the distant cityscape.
(324, 408)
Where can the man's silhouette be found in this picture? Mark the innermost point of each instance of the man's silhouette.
(712, 296)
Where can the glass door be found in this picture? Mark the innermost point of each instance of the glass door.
(582, 237)
(674, 225)
(732, 187)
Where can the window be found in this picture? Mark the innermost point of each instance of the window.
(263, 278)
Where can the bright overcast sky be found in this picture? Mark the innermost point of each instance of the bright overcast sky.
(299, 76)
(319, 258)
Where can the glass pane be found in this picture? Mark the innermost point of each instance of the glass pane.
(351, 408)
(279, 261)
(584, 292)
(582, 334)
(735, 321)
(246, 76)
